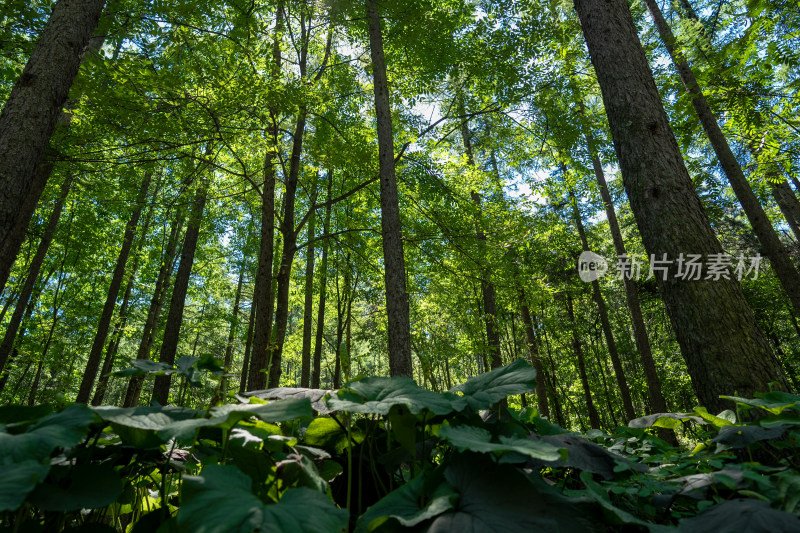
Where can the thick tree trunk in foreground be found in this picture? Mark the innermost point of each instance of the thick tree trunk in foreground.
(533, 353)
(169, 346)
(594, 419)
(724, 350)
(605, 323)
(29, 116)
(767, 236)
(399, 326)
(33, 274)
(117, 277)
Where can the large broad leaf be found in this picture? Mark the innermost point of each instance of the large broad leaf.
(775, 401)
(326, 433)
(377, 395)
(409, 505)
(742, 516)
(17, 414)
(85, 486)
(486, 389)
(219, 500)
(500, 499)
(143, 367)
(139, 426)
(743, 436)
(17, 480)
(664, 420)
(479, 440)
(588, 456)
(57, 430)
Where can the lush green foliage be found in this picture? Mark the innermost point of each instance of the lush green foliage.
(386, 456)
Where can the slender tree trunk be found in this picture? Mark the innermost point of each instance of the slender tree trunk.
(316, 370)
(631, 289)
(93, 364)
(594, 419)
(767, 236)
(33, 274)
(30, 114)
(169, 346)
(287, 255)
(725, 351)
(602, 309)
(397, 305)
(533, 353)
(247, 349)
(119, 326)
(788, 204)
(487, 287)
(223, 382)
(308, 309)
(134, 389)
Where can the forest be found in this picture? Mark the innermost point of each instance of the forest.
(399, 266)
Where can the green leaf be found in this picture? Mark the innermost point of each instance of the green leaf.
(85, 486)
(664, 420)
(409, 505)
(16, 414)
(17, 480)
(484, 390)
(479, 440)
(377, 395)
(57, 430)
(743, 436)
(716, 421)
(404, 428)
(775, 401)
(742, 516)
(219, 500)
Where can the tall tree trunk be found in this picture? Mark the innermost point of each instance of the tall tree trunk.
(594, 419)
(724, 350)
(487, 287)
(308, 308)
(119, 326)
(169, 346)
(602, 309)
(247, 349)
(533, 353)
(263, 295)
(134, 389)
(30, 114)
(33, 274)
(640, 337)
(397, 305)
(223, 382)
(316, 370)
(117, 277)
(767, 236)
(289, 233)
(788, 204)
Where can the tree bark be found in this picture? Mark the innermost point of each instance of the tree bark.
(397, 305)
(30, 114)
(594, 419)
(223, 382)
(169, 346)
(262, 293)
(247, 349)
(767, 236)
(533, 353)
(602, 309)
(487, 287)
(724, 349)
(308, 308)
(316, 370)
(134, 389)
(33, 274)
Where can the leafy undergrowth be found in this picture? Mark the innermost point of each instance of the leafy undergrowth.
(388, 456)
